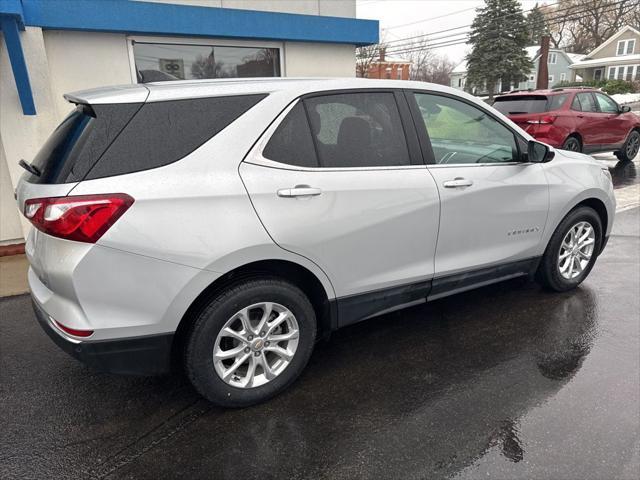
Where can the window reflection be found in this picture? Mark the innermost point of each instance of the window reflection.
(157, 62)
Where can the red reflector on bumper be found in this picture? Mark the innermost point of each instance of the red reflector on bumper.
(73, 331)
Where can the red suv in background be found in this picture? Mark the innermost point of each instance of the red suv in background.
(578, 119)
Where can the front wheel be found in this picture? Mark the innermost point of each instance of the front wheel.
(630, 148)
(572, 250)
(250, 342)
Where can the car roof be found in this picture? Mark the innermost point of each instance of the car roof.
(548, 91)
(185, 89)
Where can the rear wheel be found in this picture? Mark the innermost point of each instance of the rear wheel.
(572, 144)
(250, 342)
(572, 250)
(630, 148)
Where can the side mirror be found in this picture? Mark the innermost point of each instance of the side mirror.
(539, 152)
(625, 109)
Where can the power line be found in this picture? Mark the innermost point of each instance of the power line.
(469, 25)
(555, 20)
(424, 20)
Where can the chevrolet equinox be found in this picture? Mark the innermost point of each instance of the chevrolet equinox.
(230, 224)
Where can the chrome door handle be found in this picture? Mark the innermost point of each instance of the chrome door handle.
(299, 191)
(457, 183)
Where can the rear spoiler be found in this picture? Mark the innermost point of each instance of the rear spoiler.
(118, 94)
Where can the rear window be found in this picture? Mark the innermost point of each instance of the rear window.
(106, 140)
(513, 104)
(77, 143)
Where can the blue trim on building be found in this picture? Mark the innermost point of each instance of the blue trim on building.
(10, 31)
(147, 18)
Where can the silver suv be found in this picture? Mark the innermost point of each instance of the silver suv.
(231, 224)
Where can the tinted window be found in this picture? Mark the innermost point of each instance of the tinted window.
(512, 105)
(291, 143)
(164, 132)
(587, 103)
(557, 101)
(606, 104)
(358, 130)
(156, 62)
(462, 133)
(77, 143)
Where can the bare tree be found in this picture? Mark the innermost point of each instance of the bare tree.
(420, 56)
(365, 57)
(581, 25)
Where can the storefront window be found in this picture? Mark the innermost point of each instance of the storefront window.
(161, 62)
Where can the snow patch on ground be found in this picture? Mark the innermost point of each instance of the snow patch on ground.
(624, 98)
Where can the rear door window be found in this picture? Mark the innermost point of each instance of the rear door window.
(518, 104)
(292, 143)
(587, 102)
(358, 130)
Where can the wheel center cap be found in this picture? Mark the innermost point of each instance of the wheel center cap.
(258, 344)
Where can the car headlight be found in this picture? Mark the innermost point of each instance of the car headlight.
(605, 171)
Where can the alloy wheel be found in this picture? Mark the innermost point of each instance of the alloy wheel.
(255, 345)
(572, 145)
(576, 250)
(633, 144)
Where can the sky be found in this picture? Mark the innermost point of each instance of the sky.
(406, 18)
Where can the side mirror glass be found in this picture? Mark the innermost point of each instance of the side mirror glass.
(625, 109)
(539, 152)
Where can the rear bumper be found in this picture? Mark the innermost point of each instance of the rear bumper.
(145, 355)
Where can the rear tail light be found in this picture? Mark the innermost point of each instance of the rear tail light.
(547, 119)
(83, 218)
(73, 331)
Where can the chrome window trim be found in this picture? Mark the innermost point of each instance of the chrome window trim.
(494, 164)
(256, 157)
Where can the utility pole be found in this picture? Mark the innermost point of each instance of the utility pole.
(542, 81)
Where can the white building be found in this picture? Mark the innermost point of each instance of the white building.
(51, 47)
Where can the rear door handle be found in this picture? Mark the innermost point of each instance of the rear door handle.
(457, 183)
(299, 191)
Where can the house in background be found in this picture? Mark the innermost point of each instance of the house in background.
(617, 58)
(389, 67)
(558, 64)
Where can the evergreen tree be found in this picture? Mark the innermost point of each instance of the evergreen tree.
(498, 37)
(537, 25)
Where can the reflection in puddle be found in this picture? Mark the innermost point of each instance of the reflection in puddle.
(427, 391)
(623, 173)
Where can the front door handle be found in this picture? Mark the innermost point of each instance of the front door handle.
(299, 191)
(458, 183)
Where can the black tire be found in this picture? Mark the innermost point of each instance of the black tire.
(548, 274)
(629, 150)
(573, 144)
(198, 352)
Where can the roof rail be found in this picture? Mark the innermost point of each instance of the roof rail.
(521, 90)
(559, 89)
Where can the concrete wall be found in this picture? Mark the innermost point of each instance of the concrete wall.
(64, 61)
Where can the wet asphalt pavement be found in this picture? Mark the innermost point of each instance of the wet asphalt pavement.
(508, 381)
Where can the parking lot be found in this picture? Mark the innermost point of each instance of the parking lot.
(508, 381)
